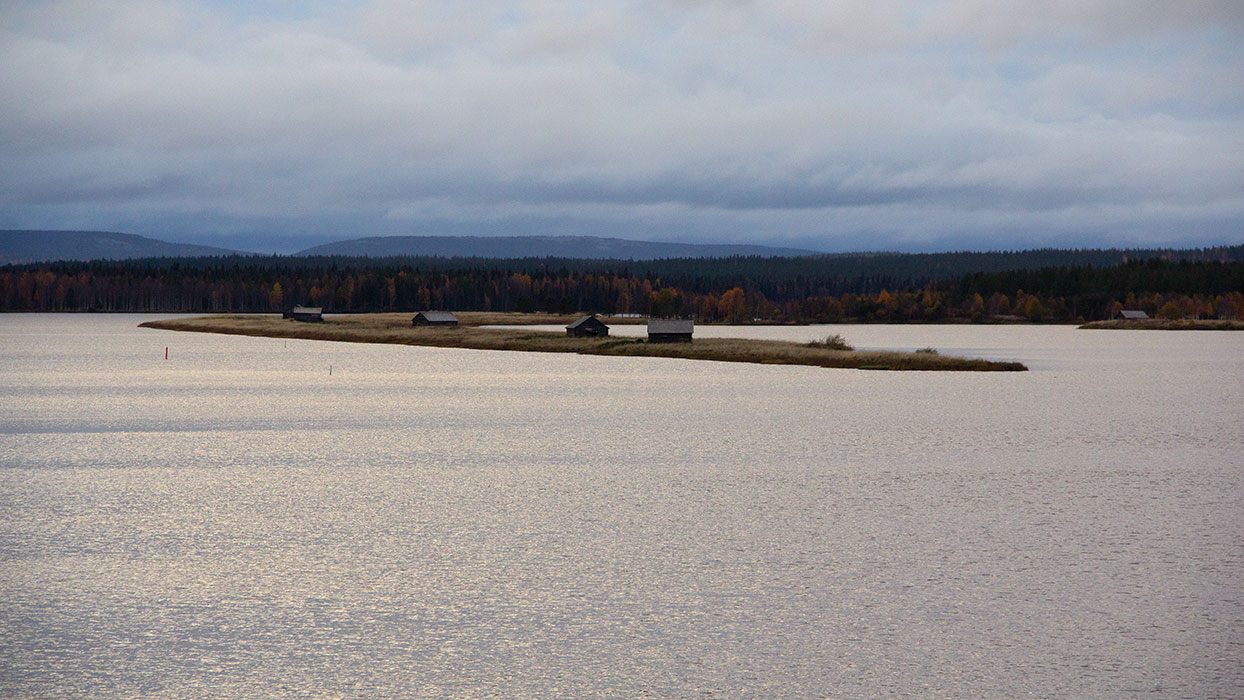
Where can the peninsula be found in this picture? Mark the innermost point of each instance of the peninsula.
(1161, 324)
(396, 329)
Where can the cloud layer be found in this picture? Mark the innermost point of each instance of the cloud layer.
(880, 124)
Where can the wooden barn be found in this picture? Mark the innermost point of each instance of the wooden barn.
(434, 318)
(305, 313)
(588, 327)
(1130, 315)
(664, 330)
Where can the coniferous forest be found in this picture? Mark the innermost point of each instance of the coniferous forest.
(966, 287)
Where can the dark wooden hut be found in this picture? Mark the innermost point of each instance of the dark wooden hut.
(1132, 315)
(665, 330)
(305, 313)
(434, 318)
(588, 327)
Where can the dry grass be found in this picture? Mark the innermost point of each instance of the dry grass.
(1161, 324)
(478, 318)
(501, 318)
(396, 328)
(832, 342)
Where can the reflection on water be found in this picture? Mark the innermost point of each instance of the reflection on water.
(238, 522)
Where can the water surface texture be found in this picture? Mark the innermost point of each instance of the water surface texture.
(241, 521)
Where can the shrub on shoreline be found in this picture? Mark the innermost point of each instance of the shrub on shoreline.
(833, 342)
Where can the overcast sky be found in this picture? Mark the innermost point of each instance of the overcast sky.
(845, 125)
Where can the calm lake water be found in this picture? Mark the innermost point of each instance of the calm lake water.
(238, 521)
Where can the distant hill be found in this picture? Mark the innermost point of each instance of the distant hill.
(39, 246)
(589, 247)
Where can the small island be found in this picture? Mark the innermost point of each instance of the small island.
(396, 329)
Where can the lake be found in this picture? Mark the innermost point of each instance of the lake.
(256, 517)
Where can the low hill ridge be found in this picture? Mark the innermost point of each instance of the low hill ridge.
(589, 247)
(25, 246)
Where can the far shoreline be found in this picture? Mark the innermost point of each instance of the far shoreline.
(395, 328)
(543, 318)
(1161, 324)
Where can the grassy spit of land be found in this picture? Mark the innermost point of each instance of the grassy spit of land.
(396, 329)
(507, 318)
(1161, 324)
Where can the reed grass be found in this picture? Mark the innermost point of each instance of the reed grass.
(832, 342)
(396, 329)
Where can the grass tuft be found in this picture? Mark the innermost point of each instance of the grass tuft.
(833, 342)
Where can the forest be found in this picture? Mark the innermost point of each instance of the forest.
(822, 289)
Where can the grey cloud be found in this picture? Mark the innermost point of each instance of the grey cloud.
(696, 117)
(1005, 22)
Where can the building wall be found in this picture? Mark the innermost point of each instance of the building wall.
(669, 337)
(589, 330)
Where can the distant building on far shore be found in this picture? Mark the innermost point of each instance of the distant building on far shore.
(1132, 315)
(305, 313)
(667, 330)
(434, 318)
(588, 327)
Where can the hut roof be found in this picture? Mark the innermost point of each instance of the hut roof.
(435, 316)
(1128, 314)
(307, 309)
(670, 325)
(585, 319)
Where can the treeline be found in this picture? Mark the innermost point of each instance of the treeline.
(784, 290)
(805, 276)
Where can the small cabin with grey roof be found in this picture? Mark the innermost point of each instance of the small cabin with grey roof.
(434, 318)
(588, 327)
(669, 330)
(1132, 315)
(305, 313)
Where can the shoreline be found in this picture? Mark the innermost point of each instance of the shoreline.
(542, 318)
(396, 329)
(1161, 324)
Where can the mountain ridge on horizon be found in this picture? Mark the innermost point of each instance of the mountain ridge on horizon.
(38, 246)
(587, 247)
(19, 246)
